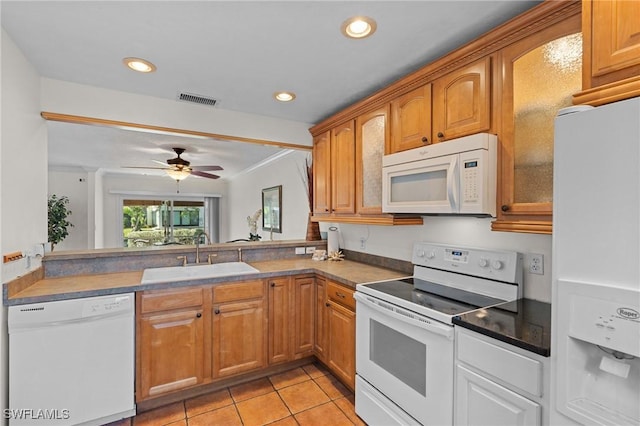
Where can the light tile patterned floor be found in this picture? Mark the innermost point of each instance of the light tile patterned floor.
(305, 396)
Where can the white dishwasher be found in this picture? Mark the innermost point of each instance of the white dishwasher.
(71, 362)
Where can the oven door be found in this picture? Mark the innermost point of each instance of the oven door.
(424, 186)
(408, 358)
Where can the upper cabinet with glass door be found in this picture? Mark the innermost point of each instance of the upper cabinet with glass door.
(540, 74)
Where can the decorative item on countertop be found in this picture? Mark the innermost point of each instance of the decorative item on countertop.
(319, 255)
(57, 219)
(252, 221)
(336, 255)
(313, 228)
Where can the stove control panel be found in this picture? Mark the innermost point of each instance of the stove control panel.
(501, 265)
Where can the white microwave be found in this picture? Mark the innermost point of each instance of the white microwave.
(453, 177)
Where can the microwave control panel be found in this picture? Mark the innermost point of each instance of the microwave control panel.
(470, 172)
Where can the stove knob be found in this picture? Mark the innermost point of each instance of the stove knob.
(431, 255)
(483, 263)
(497, 265)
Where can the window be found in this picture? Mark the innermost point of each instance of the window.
(154, 222)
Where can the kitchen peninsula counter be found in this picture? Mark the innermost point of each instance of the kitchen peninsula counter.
(50, 289)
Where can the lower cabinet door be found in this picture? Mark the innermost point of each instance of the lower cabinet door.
(480, 401)
(342, 350)
(171, 351)
(239, 337)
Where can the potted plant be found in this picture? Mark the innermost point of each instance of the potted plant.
(57, 219)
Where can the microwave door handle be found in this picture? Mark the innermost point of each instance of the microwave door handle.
(452, 184)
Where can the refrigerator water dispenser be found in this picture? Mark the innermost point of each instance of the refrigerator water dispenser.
(598, 346)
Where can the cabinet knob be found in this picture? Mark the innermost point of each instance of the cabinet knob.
(273, 284)
(425, 140)
(504, 208)
(217, 311)
(199, 315)
(327, 304)
(440, 135)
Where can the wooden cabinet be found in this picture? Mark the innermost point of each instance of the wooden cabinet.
(411, 120)
(347, 167)
(304, 303)
(172, 349)
(322, 173)
(291, 318)
(280, 314)
(341, 333)
(611, 66)
(343, 175)
(462, 101)
(334, 171)
(239, 328)
(320, 330)
(539, 78)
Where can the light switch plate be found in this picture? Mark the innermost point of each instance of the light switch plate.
(310, 250)
(300, 250)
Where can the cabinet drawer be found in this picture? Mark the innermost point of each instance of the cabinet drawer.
(238, 291)
(163, 300)
(341, 294)
(517, 370)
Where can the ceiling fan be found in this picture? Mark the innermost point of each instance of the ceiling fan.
(179, 169)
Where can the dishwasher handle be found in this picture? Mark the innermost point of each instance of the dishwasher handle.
(404, 315)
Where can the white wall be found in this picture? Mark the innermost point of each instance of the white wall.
(23, 176)
(112, 212)
(397, 242)
(245, 197)
(75, 185)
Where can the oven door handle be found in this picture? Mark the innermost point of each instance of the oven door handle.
(404, 315)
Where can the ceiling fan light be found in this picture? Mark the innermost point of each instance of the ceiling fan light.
(178, 174)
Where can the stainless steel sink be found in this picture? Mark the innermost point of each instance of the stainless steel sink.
(195, 272)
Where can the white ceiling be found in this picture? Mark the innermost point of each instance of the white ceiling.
(238, 52)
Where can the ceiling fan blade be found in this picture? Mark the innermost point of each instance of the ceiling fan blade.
(206, 168)
(204, 175)
(142, 167)
(161, 162)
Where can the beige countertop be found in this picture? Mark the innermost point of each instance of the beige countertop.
(74, 286)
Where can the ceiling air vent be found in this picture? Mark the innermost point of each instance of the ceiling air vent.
(198, 99)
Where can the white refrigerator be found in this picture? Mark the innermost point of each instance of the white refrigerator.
(595, 366)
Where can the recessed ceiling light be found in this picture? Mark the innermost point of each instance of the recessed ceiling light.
(284, 96)
(358, 27)
(138, 64)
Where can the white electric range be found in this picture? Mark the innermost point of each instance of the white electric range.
(404, 330)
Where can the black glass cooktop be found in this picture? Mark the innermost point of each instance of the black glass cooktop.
(448, 300)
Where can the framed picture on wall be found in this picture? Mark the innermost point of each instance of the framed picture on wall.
(272, 209)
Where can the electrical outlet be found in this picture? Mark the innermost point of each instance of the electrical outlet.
(300, 250)
(310, 250)
(362, 243)
(536, 264)
(535, 333)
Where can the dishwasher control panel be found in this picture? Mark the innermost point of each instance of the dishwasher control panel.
(107, 305)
